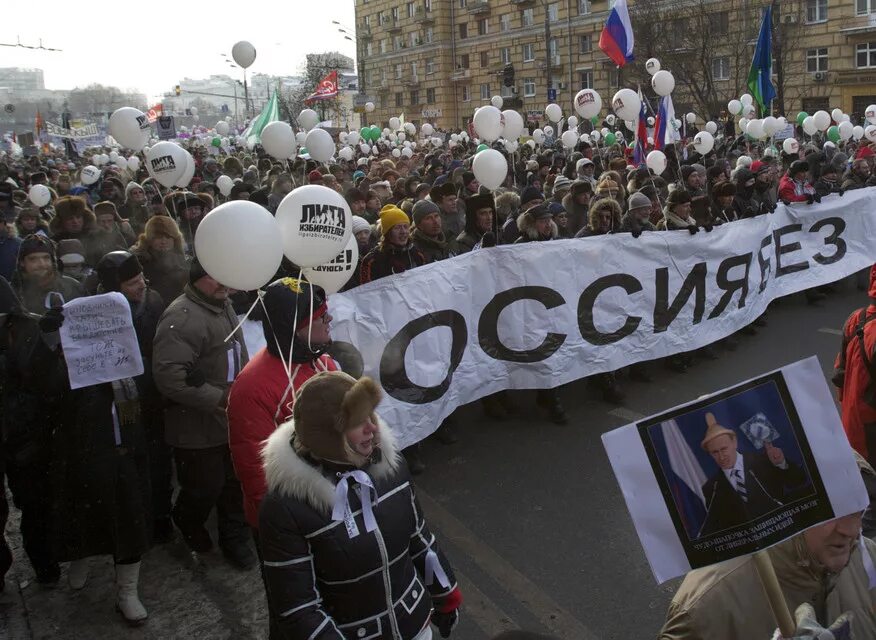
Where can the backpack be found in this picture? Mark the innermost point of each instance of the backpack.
(838, 378)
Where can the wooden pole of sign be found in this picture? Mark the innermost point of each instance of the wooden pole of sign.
(767, 574)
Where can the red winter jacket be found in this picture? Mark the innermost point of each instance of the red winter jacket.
(858, 416)
(791, 191)
(259, 402)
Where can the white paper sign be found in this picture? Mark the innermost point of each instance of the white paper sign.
(701, 491)
(99, 341)
(542, 314)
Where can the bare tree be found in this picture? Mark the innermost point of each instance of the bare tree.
(317, 67)
(96, 98)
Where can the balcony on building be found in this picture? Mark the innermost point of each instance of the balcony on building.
(556, 63)
(364, 31)
(479, 6)
(858, 25)
(460, 74)
(411, 82)
(425, 16)
(523, 2)
(391, 25)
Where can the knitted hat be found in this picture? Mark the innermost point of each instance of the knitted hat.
(529, 194)
(391, 216)
(686, 172)
(360, 224)
(678, 196)
(422, 209)
(444, 189)
(36, 243)
(638, 201)
(714, 430)
(117, 267)
(130, 187)
(326, 407)
(583, 162)
(196, 271)
(291, 304)
(314, 177)
(562, 183)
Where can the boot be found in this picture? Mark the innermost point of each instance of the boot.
(639, 373)
(127, 601)
(493, 408)
(239, 555)
(550, 399)
(77, 573)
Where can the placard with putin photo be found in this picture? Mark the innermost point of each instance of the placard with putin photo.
(737, 471)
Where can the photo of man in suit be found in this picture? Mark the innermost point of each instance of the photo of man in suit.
(747, 485)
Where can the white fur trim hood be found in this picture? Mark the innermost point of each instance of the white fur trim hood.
(292, 476)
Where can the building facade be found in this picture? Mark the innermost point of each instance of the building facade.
(438, 60)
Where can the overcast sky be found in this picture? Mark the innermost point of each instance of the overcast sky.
(151, 46)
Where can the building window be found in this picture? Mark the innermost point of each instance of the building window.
(528, 52)
(505, 55)
(462, 4)
(585, 44)
(415, 38)
(816, 60)
(369, 49)
(383, 46)
(529, 87)
(507, 92)
(585, 79)
(463, 62)
(866, 54)
(583, 7)
(719, 23)
(553, 47)
(414, 75)
(399, 99)
(463, 31)
(483, 27)
(411, 10)
(505, 22)
(397, 43)
(553, 12)
(865, 7)
(398, 72)
(466, 94)
(527, 17)
(816, 10)
(395, 14)
(415, 97)
(430, 66)
(485, 59)
(430, 34)
(427, 4)
(721, 68)
(430, 95)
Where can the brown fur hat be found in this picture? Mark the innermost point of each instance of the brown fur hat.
(69, 206)
(160, 225)
(329, 404)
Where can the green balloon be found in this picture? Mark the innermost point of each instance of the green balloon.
(216, 142)
(375, 132)
(303, 151)
(481, 147)
(610, 138)
(365, 132)
(801, 117)
(594, 120)
(833, 134)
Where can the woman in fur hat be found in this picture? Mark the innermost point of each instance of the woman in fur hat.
(341, 531)
(30, 221)
(160, 251)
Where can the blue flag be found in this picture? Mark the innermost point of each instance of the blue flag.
(760, 74)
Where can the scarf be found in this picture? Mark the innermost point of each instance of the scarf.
(126, 406)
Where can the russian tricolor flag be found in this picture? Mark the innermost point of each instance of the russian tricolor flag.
(616, 40)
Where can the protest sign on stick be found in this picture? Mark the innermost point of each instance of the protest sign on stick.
(99, 341)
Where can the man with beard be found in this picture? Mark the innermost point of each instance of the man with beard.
(828, 182)
(37, 281)
(427, 235)
(857, 176)
(188, 210)
(764, 183)
(480, 218)
(135, 210)
(111, 233)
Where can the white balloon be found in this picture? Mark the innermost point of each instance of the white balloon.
(396, 153)
(837, 115)
(514, 125)
(691, 118)
(320, 145)
(553, 112)
(511, 146)
(548, 130)
(299, 138)
(809, 127)
(222, 128)
(858, 132)
(538, 136)
(437, 142)
(870, 133)
(410, 128)
(394, 124)
(278, 139)
(846, 130)
(188, 173)
(770, 125)
(346, 154)
(870, 114)
(402, 136)
(626, 104)
(315, 224)
(130, 127)
(746, 99)
(133, 164)
(89, 174)
(427, 130)
(734, 107)
(488, 123)
(743, 124)
(238, 243)
(332, 276)
(755, 129)
(497, 101)
(407, 152)
(570, 139)
(490, 168)
(652, 66)
(711, 127)
(588, 103)
(40, 195)
(224, 184)
(369, 108)
(656, 161)
(342, 137)
(743, 161)
(353, 138)
(572, 122)
(596, 135)
(308, 119)
(703, 142)
(662, 82)
(166, 162)
(364, 148)
(821, 120)
(610, 119)
(790, 146)
(244, 53)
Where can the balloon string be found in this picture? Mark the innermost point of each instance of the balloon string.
(286, 362)
(259, 294)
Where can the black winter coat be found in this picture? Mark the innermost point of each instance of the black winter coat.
(386, 260)
(322, 583)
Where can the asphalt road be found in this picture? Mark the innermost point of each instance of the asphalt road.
(529, 513)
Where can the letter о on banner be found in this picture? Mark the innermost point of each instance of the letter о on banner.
(166, 162)
(314, 224)
(332, 276)
(237, 243)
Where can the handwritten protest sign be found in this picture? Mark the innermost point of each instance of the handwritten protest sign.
(99, 341)
(702, 490)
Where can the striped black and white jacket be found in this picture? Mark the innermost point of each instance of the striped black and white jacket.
(324, 584)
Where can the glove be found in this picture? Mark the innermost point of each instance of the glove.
(817, 198)
(810, 198)
(841, 192)
(707, 228)
(693, 229)
(446, 622)
(52, 320)
(787, 203)
(808, 627)
(195, 378)
(636, 233)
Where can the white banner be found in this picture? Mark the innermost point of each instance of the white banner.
(542, 314)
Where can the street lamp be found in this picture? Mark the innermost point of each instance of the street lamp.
(350, 35)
